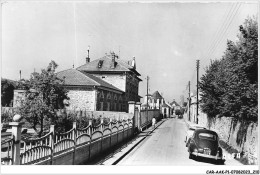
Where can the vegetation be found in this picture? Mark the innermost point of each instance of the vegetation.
(44, 94)
(7, 92)
(229, 86)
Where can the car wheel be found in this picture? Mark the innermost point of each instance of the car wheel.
(190, 156)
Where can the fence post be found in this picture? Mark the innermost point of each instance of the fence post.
(131, 107)
(90, 133)
(16, 134)
(138, 117)
(102, 123)
(110, 123)
(51, 142)
(74, 137)
(90, 126)
(102, 129)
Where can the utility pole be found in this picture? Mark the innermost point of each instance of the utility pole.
(189, 100)
(147, 98)
(198, 66)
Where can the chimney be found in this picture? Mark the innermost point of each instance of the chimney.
(113, 64)
(88, 59)
(133, 63)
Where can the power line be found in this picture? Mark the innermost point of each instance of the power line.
(219, 29)
(216, 45)
(223, 34)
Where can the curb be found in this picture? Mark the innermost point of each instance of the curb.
(127, 152)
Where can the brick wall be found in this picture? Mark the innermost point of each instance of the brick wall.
(82, 99)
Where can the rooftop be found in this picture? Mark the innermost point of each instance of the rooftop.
(74, 77)
(103, 64)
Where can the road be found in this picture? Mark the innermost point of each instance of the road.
(165, 146)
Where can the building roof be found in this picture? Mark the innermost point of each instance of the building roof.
(105, 66)
(166, 105)
(174, 102)
(74, 77)
(156, 95)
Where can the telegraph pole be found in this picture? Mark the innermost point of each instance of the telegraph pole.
(198, 66)
(147, 98)
(20, 73)
(189, 100)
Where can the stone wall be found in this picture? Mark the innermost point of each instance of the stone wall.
(241, 137)
(144, 120)
(81, 99)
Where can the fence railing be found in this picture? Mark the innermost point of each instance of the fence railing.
(7, 151)
(33, 151)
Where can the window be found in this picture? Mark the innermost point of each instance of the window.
(115, 107)
(108, 106)
(101, 106)
(207, 136)
(100, 63)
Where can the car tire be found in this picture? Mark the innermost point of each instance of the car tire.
(190, 156)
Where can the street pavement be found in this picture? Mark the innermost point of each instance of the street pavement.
(165, 146)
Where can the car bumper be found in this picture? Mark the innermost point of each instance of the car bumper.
(207, 156)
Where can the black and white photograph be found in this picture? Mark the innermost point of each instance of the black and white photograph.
(129, 87)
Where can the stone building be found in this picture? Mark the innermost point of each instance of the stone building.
(105, 84)
(87, 92)
(117, 72)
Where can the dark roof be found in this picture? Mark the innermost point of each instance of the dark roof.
(120, 66)
(156, 95)
(74, 77)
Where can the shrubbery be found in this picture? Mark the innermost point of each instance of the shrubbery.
(230, 85)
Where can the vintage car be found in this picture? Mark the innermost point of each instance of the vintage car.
(205, 143)
(190, 132)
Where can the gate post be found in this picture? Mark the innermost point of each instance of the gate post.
(74, 137)
(16, 134)
(138, 117)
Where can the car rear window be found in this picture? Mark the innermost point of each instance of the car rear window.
(208, 136)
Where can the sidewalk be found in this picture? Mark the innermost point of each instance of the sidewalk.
(123, 152)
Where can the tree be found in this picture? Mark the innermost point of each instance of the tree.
(7, 92)
(44, 94)
(229, 86)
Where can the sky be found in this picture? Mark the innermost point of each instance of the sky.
(165, 38)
